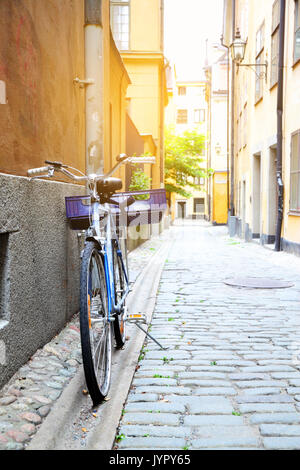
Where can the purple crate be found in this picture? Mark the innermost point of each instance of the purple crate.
(141, 212)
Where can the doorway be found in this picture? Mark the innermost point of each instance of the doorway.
(256, 229)
(272, 196)
(181, 209)
(243, 208)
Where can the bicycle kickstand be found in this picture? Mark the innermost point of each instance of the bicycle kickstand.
(137, 319)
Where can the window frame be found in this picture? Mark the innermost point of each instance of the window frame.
(202, 204)
(296, 60)
(295, 172)
(275, 44)
(259, 59)
(120, 3)
(202, 114)
(180, 121)
(199, 180)
(182, 89)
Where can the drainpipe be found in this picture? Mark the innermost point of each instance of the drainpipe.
(94, 101)
(162, 98)
(279, 125)
(228, 124)
(232, 210)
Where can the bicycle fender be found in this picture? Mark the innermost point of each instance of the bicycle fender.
(96, 240)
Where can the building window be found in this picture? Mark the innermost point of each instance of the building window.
(119, 21)
(297, 31)
(182, 116)
(295, 172)
(275, 43)
(199, 205)
(182, 90)
(199, 115)
(199, 181)
(259, 59)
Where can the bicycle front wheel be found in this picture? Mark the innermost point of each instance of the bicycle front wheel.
(95, 327)
(120, 287)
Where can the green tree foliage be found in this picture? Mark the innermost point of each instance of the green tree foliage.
(184, 161)
(139, 181)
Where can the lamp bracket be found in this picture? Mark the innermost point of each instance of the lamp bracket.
(253, 68)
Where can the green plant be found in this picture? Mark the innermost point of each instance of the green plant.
(166, 360)
(140, 181)
(184, 161)
(120, 437)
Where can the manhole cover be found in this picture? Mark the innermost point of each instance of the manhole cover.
(258, 283)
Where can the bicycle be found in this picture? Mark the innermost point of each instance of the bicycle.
(104, 280)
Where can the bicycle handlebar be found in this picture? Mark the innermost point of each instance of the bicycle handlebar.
(58, 166)
(38, 171)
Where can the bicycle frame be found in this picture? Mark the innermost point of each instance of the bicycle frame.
(94, 231)
(107, 252)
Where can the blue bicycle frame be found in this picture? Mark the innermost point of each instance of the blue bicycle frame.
(107, 252)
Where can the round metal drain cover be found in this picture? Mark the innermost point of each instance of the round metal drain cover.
(258, 283)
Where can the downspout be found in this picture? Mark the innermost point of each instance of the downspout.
(94, 100)
(210, 185)
(232, 169)
(162, 108)
(228, 127)
(279, 126)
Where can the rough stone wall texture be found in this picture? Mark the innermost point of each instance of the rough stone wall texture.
(42, 116)
(41, 52)
(39, 267)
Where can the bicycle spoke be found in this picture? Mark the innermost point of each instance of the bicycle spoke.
(94, 325)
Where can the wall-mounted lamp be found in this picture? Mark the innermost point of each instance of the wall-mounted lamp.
(238, 48)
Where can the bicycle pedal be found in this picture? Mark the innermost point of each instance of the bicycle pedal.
(136, 317)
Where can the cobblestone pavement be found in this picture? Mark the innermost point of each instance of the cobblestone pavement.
(231, 375)
(28, 397)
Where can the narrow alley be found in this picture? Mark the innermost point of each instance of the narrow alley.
(231, 375)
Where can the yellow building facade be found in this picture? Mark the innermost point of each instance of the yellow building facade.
(217, 185)
(187, 110)
(257, 142)
(137, 28)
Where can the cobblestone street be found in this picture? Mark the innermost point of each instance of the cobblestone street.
(231, 375)
(28, 398)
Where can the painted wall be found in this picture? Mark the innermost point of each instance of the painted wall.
(256, 125)
(145, 25)
(39, 266)
(41, 52)
(42, 116)
(144, 62)
(192, 100)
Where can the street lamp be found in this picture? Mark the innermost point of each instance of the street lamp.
(238, 48)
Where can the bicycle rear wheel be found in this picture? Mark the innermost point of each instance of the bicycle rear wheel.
(120, 283)
(95, 327)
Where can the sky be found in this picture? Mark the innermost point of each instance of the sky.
(188, 24)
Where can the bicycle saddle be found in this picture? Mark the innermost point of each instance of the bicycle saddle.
(109, 185)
